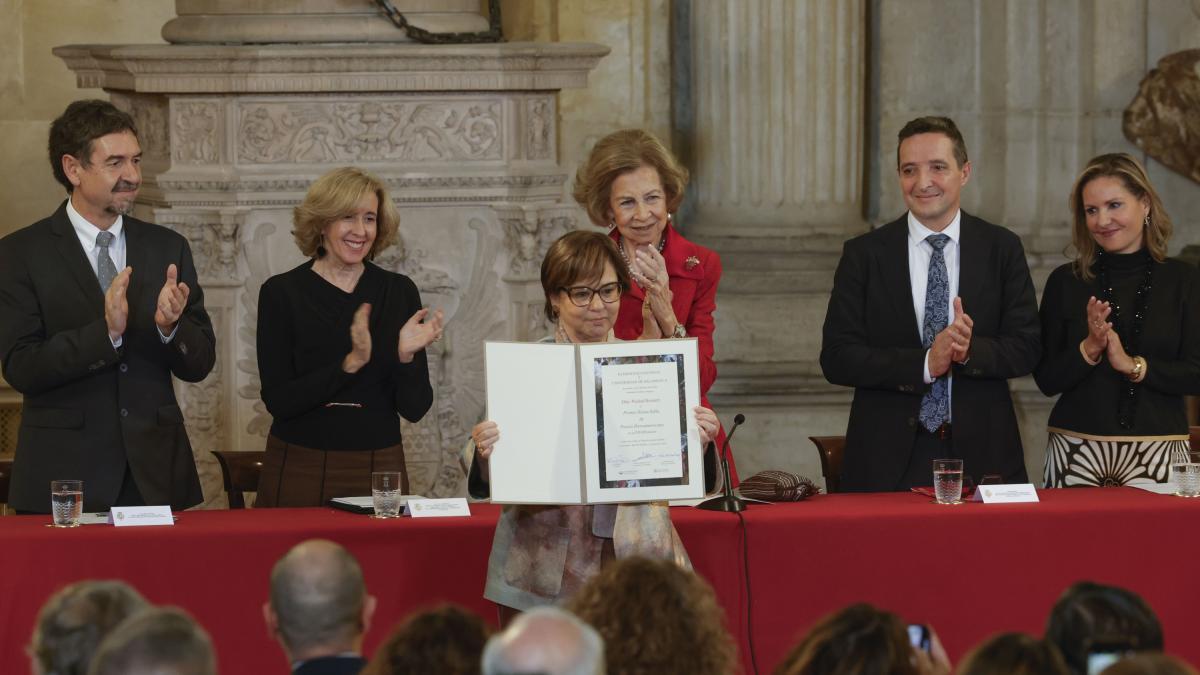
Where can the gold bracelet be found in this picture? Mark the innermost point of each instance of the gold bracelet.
(1139, 370)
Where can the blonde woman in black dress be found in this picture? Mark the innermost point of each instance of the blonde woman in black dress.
(1121, 336)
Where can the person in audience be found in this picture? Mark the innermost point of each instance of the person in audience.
(341, 349)
(862, 639)
(1013, 654)
(99, 313)
(1149, 664)
(1089, 613)
(545, 641)
(582, 277)
(319, 609)
(632, 184)
(156, 641)
(655, 618)
(73, 622)
(929, 318)
(1121, 336)
(447, 640)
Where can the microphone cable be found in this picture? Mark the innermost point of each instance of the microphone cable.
(749, 596)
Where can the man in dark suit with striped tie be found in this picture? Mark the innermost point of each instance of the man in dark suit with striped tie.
(98, 310)
(929, 317)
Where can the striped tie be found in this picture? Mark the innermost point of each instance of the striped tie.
(106, 271)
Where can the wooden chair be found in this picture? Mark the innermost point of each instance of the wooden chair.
(829, 449)
(1194, 432)
(5, 474)
(240, 472)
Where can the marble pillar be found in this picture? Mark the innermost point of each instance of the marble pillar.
(464, 135)
(775, 145)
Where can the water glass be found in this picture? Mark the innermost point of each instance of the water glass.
(1185, 476)
(385, 492)
(66, 502)
(948, 480)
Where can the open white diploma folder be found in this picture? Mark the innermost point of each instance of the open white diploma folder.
(594, 423)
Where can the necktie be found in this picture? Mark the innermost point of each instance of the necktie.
(106, 271)
(935, 404)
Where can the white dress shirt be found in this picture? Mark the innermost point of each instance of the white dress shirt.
(87, 232)
(919, 254)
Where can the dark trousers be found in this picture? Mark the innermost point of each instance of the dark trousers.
(926, 448)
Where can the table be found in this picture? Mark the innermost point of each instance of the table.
(968, 570)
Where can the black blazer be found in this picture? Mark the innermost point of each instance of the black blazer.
(89, 408)
(872, 342)
(331, 665)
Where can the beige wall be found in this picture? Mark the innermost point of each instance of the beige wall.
(631, 87)
(35, 86)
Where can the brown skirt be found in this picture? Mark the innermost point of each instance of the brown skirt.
(293, 475)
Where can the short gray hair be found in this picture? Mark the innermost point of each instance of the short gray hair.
(545, 641)
(317, 592)
(156, 641)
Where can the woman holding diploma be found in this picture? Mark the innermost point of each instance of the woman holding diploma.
(543, 554)
(632, 185)
(1120, 335)
(341, 349)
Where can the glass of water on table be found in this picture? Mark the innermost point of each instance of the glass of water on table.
(948, 480)
(66, 502)
(385, 493)
(1185, 475)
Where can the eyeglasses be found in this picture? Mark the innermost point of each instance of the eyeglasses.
(581, 296)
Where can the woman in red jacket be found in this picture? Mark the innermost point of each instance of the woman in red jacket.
(632, 184)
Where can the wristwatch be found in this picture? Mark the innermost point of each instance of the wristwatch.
(1138, 365)
(679, 332)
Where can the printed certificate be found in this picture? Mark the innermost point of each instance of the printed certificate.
(594, 423)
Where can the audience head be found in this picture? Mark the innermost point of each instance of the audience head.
(340, 195)
(636, 161)
(73, 622)
(931, 159)
(319, 604)
(1090, 613)
(156, 641)
(858, 639)
(545, 641)
(1013, 654)
(448, 640)
(655, 618)
(583, 277)
(1149, 664)
(1116, 209)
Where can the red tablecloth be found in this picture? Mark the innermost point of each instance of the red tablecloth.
(968, 570)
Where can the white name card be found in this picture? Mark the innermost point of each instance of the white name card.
(1014, 493)
(437, 508)
(136, 516)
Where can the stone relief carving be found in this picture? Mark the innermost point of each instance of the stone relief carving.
(150, 117)
(432, 445)
(540, 127)
(1162, 120)
(300, 185)
(213, 238)
(327, 131)
(202, 404)
(195, 132)
(528, 235)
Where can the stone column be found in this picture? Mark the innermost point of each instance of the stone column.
(465, 136)
(776, 152)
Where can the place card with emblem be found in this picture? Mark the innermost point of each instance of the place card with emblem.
(138, 516)
(437, 508)
(1013, 493)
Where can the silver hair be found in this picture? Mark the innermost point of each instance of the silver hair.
(520, 650)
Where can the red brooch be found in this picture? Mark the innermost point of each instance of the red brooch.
(691, 262)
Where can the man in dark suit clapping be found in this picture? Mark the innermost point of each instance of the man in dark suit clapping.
(97, 311)
(929, 317)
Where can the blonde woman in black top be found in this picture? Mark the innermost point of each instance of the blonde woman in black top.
(1121, 336)
(341, 349)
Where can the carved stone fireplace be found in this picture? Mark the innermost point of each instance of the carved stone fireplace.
(464, 135)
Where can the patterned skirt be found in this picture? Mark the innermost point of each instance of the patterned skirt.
(1074, 459)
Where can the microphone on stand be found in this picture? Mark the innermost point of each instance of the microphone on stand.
(727, 501)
